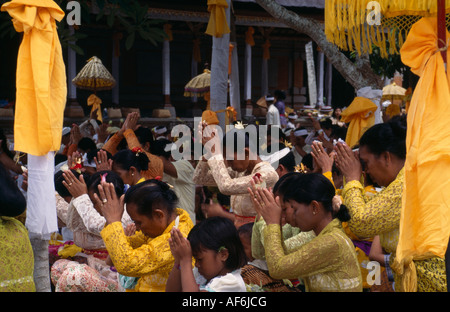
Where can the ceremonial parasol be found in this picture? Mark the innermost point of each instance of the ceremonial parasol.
(95, 77)
(393, 92)
(199, 86)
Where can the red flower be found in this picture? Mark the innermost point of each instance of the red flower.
(77, 166)
(137, 149)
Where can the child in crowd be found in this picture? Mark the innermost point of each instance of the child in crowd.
(219, 256)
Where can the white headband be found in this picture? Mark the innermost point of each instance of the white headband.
(274, 158)
(160, 130)
(300, 132)
(288, 131)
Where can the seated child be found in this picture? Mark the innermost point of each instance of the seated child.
(219, 255)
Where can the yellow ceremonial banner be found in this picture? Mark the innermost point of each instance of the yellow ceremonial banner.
(425, 215)
(95, 102)
(249, 36)
(217, 25)
(41, 86)
(168, 31)
(360, 115)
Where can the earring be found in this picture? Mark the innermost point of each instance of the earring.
(132, 174)
(314, 213)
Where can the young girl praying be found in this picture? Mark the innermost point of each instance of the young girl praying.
(219, 256)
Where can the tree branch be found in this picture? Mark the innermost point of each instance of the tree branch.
(357, 75)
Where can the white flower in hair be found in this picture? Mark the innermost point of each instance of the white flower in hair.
(239, 125)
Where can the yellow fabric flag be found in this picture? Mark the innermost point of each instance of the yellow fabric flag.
(168, 31)
(41, 77)
(249, 36)
(360, 115)
(424, 222)
(95, 102)
(217, 25)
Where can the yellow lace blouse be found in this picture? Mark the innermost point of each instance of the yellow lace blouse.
(378, 214)
(16, 257)
(144, 257)
(326, 263)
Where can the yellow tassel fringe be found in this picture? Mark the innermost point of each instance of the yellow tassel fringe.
(346, 23)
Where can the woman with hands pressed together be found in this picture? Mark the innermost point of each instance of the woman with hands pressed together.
(292, 235)
(382, 152)
(152, 206)
(85, 219)
(326, 263)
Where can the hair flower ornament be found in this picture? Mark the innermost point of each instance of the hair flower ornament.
(137, 150)
(287, 144)
(239, 125)
(301, 168)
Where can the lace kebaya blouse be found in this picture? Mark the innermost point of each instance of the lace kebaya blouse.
(214, 172)
(326, 263)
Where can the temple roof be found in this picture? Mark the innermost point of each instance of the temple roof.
(247, 12)
(320, 4)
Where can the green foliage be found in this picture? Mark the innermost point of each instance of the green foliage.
(386, 67)
(122, 15)
(69, 39)
(382, 66)
(132, 17)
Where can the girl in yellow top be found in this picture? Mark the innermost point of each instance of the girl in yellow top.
(328, 262)
(130, 166)
(151, 205)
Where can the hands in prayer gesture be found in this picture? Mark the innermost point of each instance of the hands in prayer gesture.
(131, 122)
(348, 162)
(179, 246)
(265, 204)
(76, 187)
(101, 161)
(112, 207)
(322, 160)
(210, 138)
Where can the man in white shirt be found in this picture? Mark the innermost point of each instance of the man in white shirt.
(292, 118)
(273, 114)
(300, 148)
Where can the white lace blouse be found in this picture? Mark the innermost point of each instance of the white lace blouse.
(86, 223)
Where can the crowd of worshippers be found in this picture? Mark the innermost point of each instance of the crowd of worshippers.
(308, 213)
